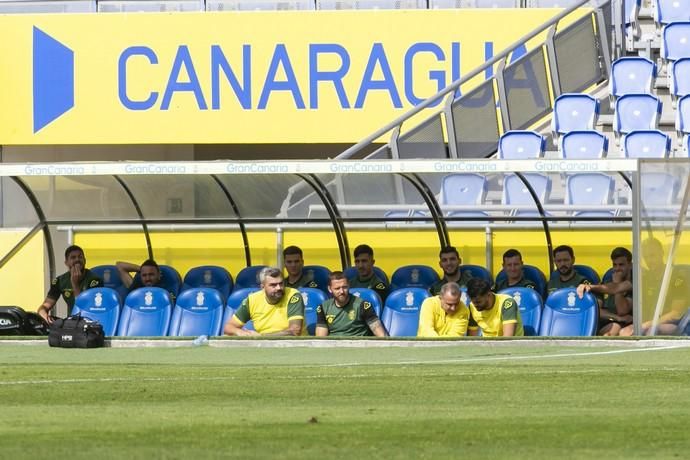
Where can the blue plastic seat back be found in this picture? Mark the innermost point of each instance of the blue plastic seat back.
(248, 277)
(516, 145)
(400, 314)
(111, 278)
(170, 279)
(636, 111)
(477, 271)
(369, 295)
(583, 145)
(647, 143)
(680, 77)
(198, 311)
(589, 189)
(233, 303)
(146, 312)
(99, 304)
(632, 75)
(209, 276)
(515, 192)
(531, 273)
(574, 112)
(312, 298)
(668, 11)
(351, 272)
(421, 276)
(683, 115)
(530, 304)
(463, 189)
(588, 272)
(675, 41)
(565, 314)
(320, 275)
(608, 276)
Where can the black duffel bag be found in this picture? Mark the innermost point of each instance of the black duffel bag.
(16, 321)
(76, 332)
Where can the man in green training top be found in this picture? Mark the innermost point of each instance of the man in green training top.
(566, 276)
(345, 314)
(293, 259)
(449, 261)
(513, 267)
(70, 284)
(366, 277)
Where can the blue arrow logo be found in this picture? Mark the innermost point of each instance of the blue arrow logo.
(53, 79)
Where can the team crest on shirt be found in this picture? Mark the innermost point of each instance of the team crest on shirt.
(380, 286)
(93, 283)
(294, 298)
(351, 315)
(366, 305)
(313, 284)
(329, 319)
(508, 304)
(67, 293)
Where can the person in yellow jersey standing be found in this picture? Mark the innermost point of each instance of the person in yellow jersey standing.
(445, 314)
(496, 314)
(275, 310)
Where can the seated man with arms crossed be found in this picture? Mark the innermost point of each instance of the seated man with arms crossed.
(366, 277)
(616, 311)
(449, 261)
(345, 314)
(274, 310)
(444, 315)
(294, 265)
(496, 314)
(70, 284)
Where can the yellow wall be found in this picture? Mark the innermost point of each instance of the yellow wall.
(23, 277)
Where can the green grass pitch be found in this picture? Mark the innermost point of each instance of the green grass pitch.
(385, 402)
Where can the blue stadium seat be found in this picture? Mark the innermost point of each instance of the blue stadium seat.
(569, 316)
(583, 145)
(679, 77)
(515, 193)
(588, 272)
(631, 75)
(111, 278)
(369, 295)
(608, 276)
(170, 279)
(574, 112)
(646, 143)
(683, 117)
(198, 311)
(636, 111)
(464, 189)
(233, 303)
(421, 276)
(530, 304)
(477, 271)
(667, 11)
(400, 315)
(631, 11)
(248, 277)
(146, 312)
(516, 145)
(99, 304)
(675, 41)
(351, 272)
(209, 276)
(531, 273)
(320, 275)
(312, 298)
(584, 189)
(658, 190)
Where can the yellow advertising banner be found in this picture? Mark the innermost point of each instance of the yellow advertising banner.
(235, 77)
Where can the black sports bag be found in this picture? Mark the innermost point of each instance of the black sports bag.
(16, 321)
(76, 332)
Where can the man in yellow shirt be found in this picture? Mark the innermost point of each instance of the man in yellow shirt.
(496, 314)
(275, 309)
(444, 315)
